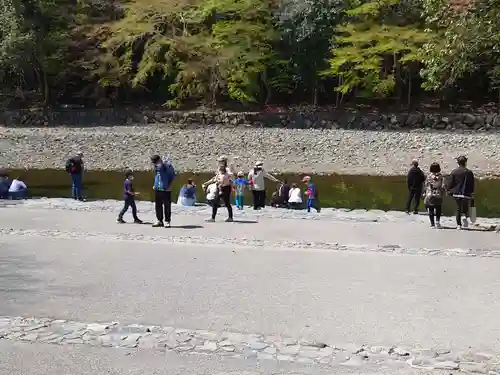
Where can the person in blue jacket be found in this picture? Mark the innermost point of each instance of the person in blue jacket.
(164, 177)
(312, 195)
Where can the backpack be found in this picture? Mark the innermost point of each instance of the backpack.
(434, 189)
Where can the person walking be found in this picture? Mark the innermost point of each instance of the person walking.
(164, 177)
(312, 195)
(433, 195)
(74, 166)
(415, 181)
(129, 199)
(256, 179)
(462, 188)
(224, 180)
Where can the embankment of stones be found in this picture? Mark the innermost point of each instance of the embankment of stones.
(298, 119)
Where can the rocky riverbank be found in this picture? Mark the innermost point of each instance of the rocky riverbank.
(312, 147)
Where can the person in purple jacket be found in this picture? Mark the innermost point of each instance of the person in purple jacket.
(129, 199)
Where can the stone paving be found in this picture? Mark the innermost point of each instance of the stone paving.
(238, 242)
(256, 346)
(250, 346)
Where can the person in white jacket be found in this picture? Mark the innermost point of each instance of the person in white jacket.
(256, 179)
(295, 197)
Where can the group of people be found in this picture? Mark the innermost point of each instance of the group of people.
(12, 188)
(219, 188)
(433, 187)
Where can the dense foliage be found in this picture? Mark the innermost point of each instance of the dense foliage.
(186, 52)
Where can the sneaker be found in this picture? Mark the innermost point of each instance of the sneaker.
(229, 220)
(138, 221)
(459, 227)
(120, 221)
(415, 212)
(158, 224)
(167, 224)
(438, 225)
(465, 222)
(210, 220)
(433, 226)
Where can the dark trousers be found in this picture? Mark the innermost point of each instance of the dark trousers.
(76, 185)
(163, 203)
(462, 208)
(129, 201)
(225, 194)
(435, 213)
(413, 195)
(259, 199)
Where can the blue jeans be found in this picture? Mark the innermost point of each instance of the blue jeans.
(18, 194)
(239, 201)
(312, 203)
(76, 185)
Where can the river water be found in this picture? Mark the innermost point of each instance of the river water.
(341, 191)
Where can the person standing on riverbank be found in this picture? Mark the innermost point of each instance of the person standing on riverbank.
(224, 181)
(239, 189)
(312, 195)
(415, 181)
(433, 198)
(74, 166)
(462, 189)
(256, 178)
(129, 199)
(164, 177)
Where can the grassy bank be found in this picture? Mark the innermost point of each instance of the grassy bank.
(369, 192)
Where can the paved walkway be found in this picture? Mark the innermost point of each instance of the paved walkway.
(261, 291)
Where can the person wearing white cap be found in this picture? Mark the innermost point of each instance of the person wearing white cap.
(256, 179)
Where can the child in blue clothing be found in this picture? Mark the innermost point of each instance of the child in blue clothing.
(312, 195)
(239, 189)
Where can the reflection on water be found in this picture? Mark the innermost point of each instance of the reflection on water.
(370, 192)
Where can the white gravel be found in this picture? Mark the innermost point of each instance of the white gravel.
(285, 150)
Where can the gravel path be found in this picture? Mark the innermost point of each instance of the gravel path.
(285, 150)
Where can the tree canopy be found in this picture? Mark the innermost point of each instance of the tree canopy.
(249, 52)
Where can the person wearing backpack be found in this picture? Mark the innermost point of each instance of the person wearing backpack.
(74, 166)
(433, 195)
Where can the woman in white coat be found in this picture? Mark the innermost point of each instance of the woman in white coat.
(256, 179)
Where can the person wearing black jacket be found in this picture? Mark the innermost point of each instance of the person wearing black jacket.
(74, 166)
(415, 181)
(462, 188)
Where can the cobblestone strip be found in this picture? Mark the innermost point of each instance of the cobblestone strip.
(277, 348)
(225, 241)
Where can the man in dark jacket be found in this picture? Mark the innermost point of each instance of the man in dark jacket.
(164, 177)
(74, 166)
(462, 189)
(415, 180)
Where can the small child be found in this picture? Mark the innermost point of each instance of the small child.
(239, 189)
(129, 199)
(312, 195)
